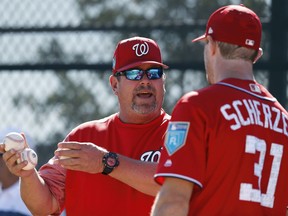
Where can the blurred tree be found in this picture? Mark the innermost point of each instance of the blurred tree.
(175, 45)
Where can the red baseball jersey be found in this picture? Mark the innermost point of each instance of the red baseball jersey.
(231, 140)
(98, 194)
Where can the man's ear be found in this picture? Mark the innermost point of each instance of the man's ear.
(212, 45)
(114, 84)
(259, 54)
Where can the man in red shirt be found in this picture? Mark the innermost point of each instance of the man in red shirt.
(226, 147)
(106, 167)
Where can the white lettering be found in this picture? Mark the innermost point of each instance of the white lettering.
(277, 119)
(258, 113)
(229, 117)
(141, 49)
(151, 156)
(268, 115)
(239, 114)
(285, 124)
(251, 112)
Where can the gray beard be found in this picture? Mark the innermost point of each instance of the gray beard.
(144, 108)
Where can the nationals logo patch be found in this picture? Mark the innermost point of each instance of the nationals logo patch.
(176, 136)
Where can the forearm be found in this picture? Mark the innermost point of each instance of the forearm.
(173, 198)
(137, 174)
(87, 157)
(170, 206)
(37, 196)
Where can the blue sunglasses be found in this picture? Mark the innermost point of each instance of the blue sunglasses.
(137, 74)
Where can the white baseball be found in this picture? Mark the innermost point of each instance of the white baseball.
(30, 156)
(15, 141)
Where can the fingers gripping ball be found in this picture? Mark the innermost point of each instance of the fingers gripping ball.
(15, 141)
(30, 156)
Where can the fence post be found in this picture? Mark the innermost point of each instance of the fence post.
(278, 51)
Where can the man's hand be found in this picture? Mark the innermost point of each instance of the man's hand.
(2, 148)
(85, 157)
(10, 158)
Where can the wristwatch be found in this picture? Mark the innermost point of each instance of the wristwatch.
(110, 161)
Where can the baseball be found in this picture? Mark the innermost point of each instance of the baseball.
(29, 155)
(15, 141)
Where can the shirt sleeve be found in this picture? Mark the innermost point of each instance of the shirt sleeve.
(54, 176)
(184, 152)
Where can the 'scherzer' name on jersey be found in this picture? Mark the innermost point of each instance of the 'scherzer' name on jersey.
(252, 112)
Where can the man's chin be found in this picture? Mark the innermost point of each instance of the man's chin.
(144, 108)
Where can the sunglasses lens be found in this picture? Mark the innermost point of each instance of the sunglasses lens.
(154, 73)
(137, 74)
(134, 74)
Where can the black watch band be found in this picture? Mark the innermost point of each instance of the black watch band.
(110, 161)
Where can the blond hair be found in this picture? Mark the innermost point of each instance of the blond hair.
(231, 51)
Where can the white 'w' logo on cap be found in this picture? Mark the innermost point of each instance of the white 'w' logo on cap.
(141, 49)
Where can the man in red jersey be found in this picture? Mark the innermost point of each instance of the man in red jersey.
(226, 147)
(106, 167)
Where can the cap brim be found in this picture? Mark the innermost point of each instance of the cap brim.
(202, 37)
(136, 64)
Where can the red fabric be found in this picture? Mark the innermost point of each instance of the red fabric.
(216, 157)
(235, 24)
(132, 52)
(97, 194)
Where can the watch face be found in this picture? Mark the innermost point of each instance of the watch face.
(111, 161)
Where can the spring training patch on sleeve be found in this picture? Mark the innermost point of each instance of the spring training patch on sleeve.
(176, 136)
